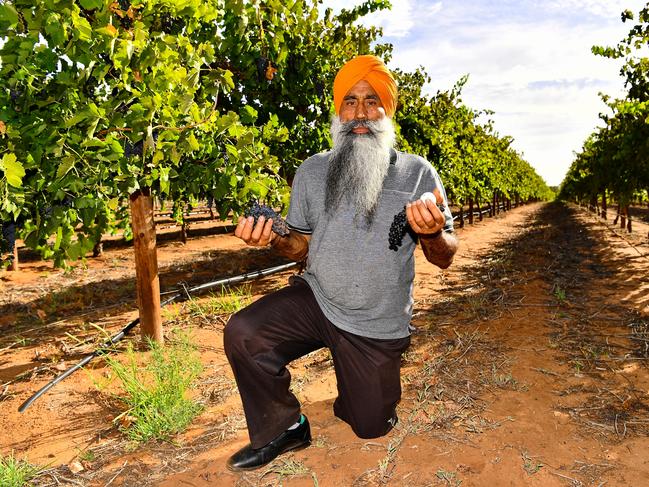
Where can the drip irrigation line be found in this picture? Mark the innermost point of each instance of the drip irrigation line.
(100, 351)
(185, 293)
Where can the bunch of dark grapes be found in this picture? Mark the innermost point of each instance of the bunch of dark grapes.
(133, 150)
(262, 65)
(125, 20)
(89, 87)
(256, 210)
(136, 149)
(15, 96)
(46, 211)
(170, 24)
(8, 237)
(398, 230)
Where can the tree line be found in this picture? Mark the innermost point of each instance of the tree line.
(613, 163)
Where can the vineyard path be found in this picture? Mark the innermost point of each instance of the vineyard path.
(495, 392)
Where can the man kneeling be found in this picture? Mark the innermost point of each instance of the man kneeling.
(355, 297)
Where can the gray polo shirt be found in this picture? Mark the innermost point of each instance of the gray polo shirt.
(362, 286)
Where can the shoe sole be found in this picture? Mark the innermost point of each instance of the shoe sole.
(248, 469)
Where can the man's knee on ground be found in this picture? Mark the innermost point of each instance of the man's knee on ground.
(369, 432)
(369, 428)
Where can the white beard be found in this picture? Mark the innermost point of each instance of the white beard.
(359, 164)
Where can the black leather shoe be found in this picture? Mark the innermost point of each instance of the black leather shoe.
(249, 458)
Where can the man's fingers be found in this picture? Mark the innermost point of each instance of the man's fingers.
(426, 211)
(438, 196)
(438, 216)
(424, 217)
(239, 230)
(417, 220)
(246, 231)
(252, 233)
(259, 228)
(265, 234)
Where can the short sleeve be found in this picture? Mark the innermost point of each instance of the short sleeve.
(298, 210)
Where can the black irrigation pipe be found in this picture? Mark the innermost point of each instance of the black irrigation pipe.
(185, 293)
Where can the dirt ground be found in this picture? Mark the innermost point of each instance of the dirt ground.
(529, 365)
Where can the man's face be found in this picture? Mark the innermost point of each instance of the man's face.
(361, 103)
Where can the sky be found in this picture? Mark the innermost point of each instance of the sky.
(529, 61)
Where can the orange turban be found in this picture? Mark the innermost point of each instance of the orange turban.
(372, 70)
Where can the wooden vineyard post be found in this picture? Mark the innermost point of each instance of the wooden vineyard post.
(14, 262)
(461, 215)
(470, 211)
(604, 208)
(629, 227)
(146, 265)
(183, 230)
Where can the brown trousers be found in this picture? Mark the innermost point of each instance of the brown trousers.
(280, 327)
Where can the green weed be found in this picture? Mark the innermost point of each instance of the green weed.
(227, 301)
(530, 465)
(88, 456)
(155, 393)
(449, 478)
(16, 473)
(560, 294)
(290, 468)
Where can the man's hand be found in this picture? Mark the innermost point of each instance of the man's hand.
(294, 245)
(425, 217)
(259, 235)
(427, 220)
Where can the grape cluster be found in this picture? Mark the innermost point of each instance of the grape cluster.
(15, 96)
(89, 87)
(45, 211)
(398, 230)
(319, 89)
(8, 239)
(256, 210)
(133, 150)
(171, 25)
(136, 149)
(262, 65)
(125, 20)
